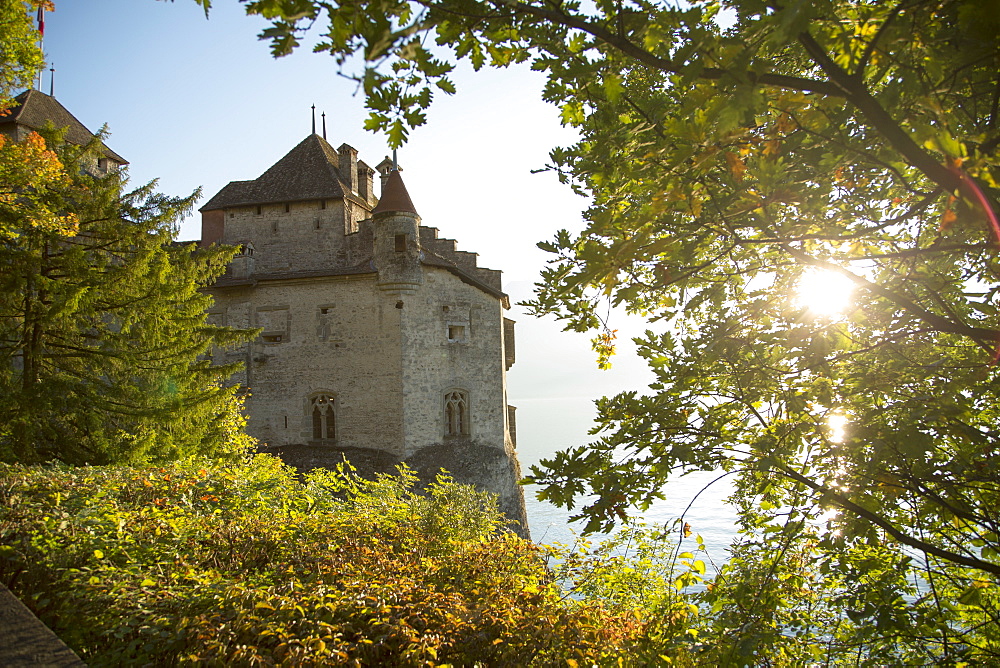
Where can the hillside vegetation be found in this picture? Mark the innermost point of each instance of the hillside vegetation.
(252, 565)
(205, 563)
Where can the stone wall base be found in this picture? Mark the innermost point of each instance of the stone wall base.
(486, 468)
(25, 641)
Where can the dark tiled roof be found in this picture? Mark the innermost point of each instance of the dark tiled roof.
(307, 172)
(34, 108)
(394, 198)
(428, 258)
(362, 268)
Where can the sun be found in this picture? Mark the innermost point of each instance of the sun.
(837, 424)
(824, 293)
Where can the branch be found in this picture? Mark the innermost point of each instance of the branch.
(985, 337)
(631, 49)
(858, 94)
(887, 526)
(859, 73)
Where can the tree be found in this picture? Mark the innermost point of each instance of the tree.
(28, 169)
(731, 151)
(103, 339)
(19, 51)
(102, 332)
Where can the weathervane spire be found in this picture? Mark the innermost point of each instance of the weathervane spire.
(52, 82)
(395, 165)
(324, 124)
(314, 118)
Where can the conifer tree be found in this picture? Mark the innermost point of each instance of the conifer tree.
(103, 336)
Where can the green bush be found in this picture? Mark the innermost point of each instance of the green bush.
(202, 562)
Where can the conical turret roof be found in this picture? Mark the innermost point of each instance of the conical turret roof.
(394, 198)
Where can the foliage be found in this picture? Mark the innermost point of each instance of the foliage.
(30, 174)
(20, 53)
(198, 562)
(732, 148)
(102, 324)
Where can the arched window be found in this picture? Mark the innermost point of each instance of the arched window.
(456, 413)
(324, 418)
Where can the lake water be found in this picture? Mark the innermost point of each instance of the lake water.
(554, 384)
(553, 424)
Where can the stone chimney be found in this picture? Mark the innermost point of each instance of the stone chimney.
(348, 158)
(366, 185)
(384, 168)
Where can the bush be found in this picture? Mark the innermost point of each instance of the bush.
(250, 565)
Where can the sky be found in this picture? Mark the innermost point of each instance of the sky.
(196, 103)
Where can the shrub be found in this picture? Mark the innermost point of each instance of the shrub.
(202, 562)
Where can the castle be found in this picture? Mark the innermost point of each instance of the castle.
(380, 341)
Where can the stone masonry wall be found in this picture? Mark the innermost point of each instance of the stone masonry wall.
(310, 236)
(338, 335)
(433, 364)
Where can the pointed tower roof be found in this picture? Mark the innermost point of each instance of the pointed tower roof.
(310, 171)
(394, 198)
(33, 108)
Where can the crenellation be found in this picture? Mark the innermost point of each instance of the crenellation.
(464, 259)
(443, 247)
(489, 277)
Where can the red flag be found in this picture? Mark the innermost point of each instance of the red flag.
(41, 22)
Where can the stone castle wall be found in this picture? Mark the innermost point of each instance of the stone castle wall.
(339, 336)
(310, 236)
(433, 363)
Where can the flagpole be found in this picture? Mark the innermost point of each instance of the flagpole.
(40, 17)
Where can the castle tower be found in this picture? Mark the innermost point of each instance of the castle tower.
(32, 109)
(396, 239)
(380, 341)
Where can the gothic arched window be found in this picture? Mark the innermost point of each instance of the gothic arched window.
(456, 413)
(324, 420)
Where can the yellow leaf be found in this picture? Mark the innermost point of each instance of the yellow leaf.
(947, 219)
(736, 165)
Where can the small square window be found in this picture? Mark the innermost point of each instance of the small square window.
(324, 310)
(260, 209)
(400, 243)
(456, 333)
(272, 338)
